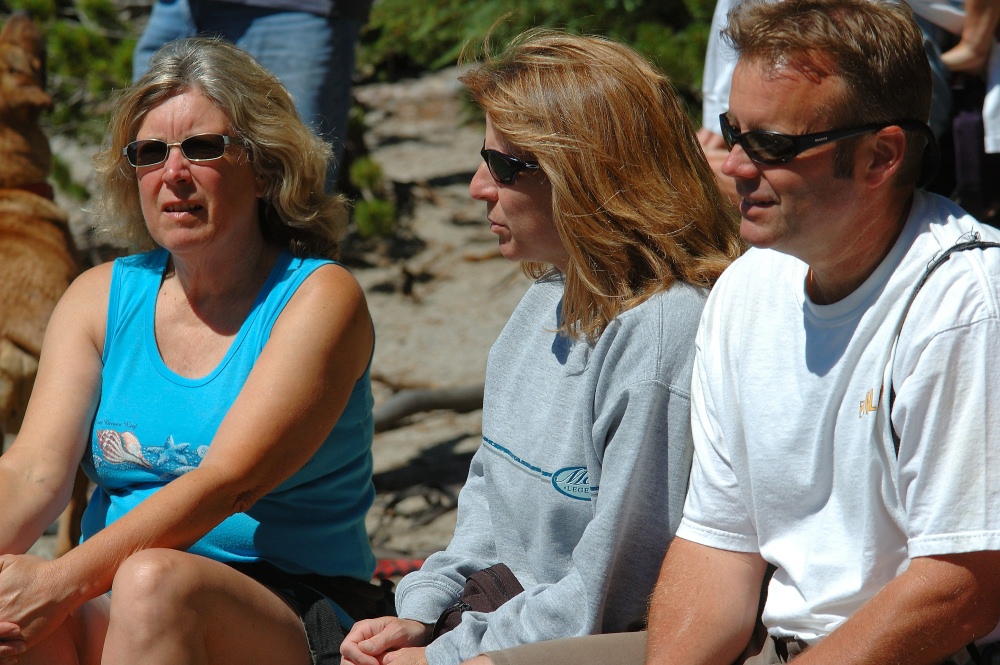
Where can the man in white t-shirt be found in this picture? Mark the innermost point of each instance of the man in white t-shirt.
(869, 485)
(846, 423)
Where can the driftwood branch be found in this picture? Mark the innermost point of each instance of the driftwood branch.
(462, 399)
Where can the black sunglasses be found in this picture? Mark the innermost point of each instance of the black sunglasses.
(200, 148)
(765, 147)
(505, 168)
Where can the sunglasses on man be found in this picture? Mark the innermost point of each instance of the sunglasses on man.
(504, 168)
(199, 148)
(766, 147)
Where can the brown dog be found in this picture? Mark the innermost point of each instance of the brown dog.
(37, 255)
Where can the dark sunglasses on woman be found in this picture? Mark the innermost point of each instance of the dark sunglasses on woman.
(199, 148)
(503, 167)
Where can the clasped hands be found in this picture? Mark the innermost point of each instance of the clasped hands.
(28, 608)
(386, 641)
(391, 641)
(12, 644)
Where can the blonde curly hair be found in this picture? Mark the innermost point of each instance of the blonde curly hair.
(286, 156)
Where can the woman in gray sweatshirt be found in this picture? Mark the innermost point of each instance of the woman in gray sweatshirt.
(594, 180)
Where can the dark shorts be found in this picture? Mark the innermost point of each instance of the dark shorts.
(316, 598)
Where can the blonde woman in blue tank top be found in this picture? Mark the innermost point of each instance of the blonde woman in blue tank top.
(216, 386)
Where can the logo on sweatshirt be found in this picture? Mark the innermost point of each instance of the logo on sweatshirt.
(573, 481)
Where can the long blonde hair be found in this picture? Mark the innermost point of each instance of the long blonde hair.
(290, 160)
(633, 198)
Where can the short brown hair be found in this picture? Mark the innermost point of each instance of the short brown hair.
(874, 46)
(633, 198)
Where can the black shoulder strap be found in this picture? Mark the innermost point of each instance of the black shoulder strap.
(973, 242)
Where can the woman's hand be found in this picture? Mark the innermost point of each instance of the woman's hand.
(11, 643)
(31, 603)
(409, 656)
(371, 639)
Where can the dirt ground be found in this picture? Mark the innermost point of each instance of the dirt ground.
(438, 300)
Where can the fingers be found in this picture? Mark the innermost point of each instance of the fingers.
(371, 639)
(10, 649)
(11, 643)
(362, 631)
(352, 655)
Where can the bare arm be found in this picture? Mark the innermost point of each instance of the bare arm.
(36, 474)
(973, 49)
(933, 609)
(704, 606)
(297, 390)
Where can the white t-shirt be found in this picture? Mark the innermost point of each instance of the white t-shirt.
(792, 454)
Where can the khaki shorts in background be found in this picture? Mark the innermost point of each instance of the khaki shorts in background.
(611, 648)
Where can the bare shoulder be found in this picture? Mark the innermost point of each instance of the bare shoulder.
(331, 305)
(334, 278)
(84, 306)
(92, 284)
(331, 290)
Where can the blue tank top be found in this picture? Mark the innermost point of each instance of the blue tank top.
(153, 425)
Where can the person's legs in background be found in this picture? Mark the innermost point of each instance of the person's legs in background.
(168, 20)
(313, 56)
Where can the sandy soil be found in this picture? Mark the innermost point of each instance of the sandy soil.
(437, 308)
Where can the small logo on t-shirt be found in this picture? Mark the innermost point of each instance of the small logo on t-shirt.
(869, 404)
(573, 481)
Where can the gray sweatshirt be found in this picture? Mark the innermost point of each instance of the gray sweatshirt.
(580, 479)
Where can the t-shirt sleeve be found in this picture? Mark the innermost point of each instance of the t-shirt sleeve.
(945, 412)
(715, 511)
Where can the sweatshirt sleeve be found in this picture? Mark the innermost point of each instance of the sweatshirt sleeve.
(645, 430)
(424, 594)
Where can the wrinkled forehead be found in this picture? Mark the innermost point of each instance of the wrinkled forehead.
(803, 86)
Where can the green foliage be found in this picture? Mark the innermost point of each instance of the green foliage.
(375, 215)
(375, 218)
(405, 36)
(64, 180)
(366, 174)
(89, 46)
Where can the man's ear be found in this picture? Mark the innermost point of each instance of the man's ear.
(883, 156)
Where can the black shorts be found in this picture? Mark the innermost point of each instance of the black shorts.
(313, 598)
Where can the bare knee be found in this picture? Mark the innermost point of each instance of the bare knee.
(151, 588)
